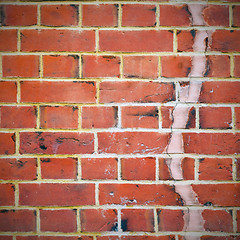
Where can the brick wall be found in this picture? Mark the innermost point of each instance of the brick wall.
(120, 120)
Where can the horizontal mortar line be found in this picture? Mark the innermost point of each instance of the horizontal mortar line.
(117, 182)
(121, 53)
(113, 155)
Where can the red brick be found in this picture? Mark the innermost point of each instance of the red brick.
(56, 194)
(132, 142)
(61, 66)
(14, 169)
(236, 16)
(214, 66)
(136, 41)
(7, 194)
(57, 40)
(98, 220)
(213, 194)
(220, 92)
(237, 117)
(138, 168)
(67, 92)
(136, 92)
(219, 238)
(53, 238)
(138, 15)
(215, 169)
(145, 237)
(99, 117)
(59, 15)
(18, 117)
(185, 40)
(139, 194)
(20, 66)
(17, 221)
(59, 168)
(139, 117)
(137, 220)
(226, 41)
(58, 220)
(237, 162)
(211, 143)
(140, 66)
(59, 117)
(187, 166)
(170, 220)
(167, 121)
(101, 15)
(8, 91)
(6, 237)
(17, 15)
(215, 117)
(8, 40)
(56, 142)
(211, 15)
(238, 221)
(99, 168)
(7, 143)
(218, 220)
(237, 66)
(175, 15)
(176, 66)
(100, 66)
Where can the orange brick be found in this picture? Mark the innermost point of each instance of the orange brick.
(139, 117)
(8, 40)
(99, 168)
(140, 66)
(8, 91)
(59, 117)
(59, 168)
(138, 168)
(17, 15)
(215, 169)
(61, 66)
(59, 15)
(99, 117)
(185, 40)
(18, 117)
(138, 15)
(21, 66)
(175, 15)
(101, 66)
(102, 15)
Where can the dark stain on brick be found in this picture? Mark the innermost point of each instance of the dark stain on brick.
(124, 225)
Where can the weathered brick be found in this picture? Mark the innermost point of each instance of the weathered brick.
(56, 194)
(8, 91)
(59, 117)
(237, 162)
(137, 220)
(138, 15)
(236, 14)
(98, 220)
(136, 41)
(7, 143)
(237, 66)
(132, 142)
(53, 238)
(56, 142)
(59, 15)
(132, 194)
(55, 66)
(145, 237)
(57, 40)
(99, 117)
(18, 117)
(58, 220)
(136, 92)
(59, 168)
(139, 117)
(100, 66)
(215, 169)
(14, 169)
(67, 92)
(99, 168)
(21, 66)
(138, 168)
(237, 117)
(140, 67)
(7, 194)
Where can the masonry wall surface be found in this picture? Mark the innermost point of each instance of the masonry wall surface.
(120, 120)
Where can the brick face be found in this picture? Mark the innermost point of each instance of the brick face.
(119, 120)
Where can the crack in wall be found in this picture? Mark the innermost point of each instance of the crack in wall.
(193, 220)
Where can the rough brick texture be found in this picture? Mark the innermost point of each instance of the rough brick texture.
(119, 120)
